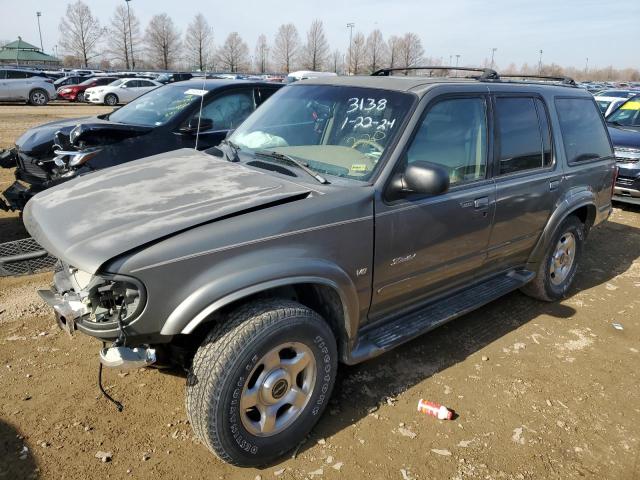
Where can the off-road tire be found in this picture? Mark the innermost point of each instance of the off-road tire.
(223, 363)
(111, 99)
(541, 287)
(38, 97)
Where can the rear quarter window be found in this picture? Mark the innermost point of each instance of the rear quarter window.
(583, 132)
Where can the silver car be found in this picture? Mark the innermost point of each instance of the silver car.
(30, 85)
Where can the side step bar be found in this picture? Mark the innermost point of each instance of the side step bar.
(382, 338)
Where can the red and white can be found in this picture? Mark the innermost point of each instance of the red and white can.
(435, 410)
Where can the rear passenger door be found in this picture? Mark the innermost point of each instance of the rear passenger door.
(527, 178)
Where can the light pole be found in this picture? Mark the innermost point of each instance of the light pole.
(586, 66)
(493, 51)
(38, 14)
(133, 62)
(350, 26)
(540, 64)
(450, 59)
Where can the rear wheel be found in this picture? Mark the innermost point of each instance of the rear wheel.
(80, 97)
(260, 381)
(111, 99)
(557, 271)
(38, 97)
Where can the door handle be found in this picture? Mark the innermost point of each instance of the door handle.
(554, 184)
(481, 203)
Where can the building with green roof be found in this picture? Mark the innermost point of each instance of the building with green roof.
(21, 53)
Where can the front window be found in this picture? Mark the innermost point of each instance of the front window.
(158, 106)
(342, 131)
(627, 115)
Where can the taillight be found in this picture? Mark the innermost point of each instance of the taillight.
(615, 179)
(48, 80)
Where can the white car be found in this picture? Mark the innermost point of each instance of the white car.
(120, 91)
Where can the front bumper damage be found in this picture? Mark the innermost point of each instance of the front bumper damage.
(73, 311)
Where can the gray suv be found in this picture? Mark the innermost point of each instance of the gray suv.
(344, 217)
(30, 85)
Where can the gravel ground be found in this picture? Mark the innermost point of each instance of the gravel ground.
(540, 390)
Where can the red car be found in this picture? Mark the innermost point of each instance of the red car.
(76, 92)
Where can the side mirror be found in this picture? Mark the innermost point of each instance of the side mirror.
(422, 178)
(192, 126)
(124, 85)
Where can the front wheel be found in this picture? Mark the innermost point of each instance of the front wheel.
(558, 269)
(111, 100)
(260, 381)
(80, 97)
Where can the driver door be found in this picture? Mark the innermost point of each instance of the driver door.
(226, 111)
(425, 245)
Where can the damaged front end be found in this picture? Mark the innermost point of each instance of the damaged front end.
(102, 306)
(99, 305)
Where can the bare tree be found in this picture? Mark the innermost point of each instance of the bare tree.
(198, 42)
(163, 41)
(234, 54)
(394, 45)
(337, 61)
(376, 50)
(316, 50)
(261, 54)
(411, 51)
(358, 53)
(286, 47)
(79, 32)
(119, 40)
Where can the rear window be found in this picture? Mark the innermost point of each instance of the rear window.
(583, 131)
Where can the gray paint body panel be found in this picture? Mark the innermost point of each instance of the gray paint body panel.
(202, 237)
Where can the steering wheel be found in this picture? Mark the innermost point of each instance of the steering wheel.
(371, 143)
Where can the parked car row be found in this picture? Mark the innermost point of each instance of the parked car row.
(326, 222)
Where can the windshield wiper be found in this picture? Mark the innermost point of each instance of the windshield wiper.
(234, 150)
(303, 166)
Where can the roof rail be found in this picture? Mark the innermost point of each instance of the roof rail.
(562, 79)
(487, 73)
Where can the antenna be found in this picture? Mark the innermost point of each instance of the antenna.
(204, 79)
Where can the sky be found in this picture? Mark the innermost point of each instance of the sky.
(567, 31)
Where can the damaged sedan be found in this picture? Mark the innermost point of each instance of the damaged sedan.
(162, 120)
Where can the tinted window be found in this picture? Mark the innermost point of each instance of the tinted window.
(454, 134)
(13, 74)
(583, 132)
(265, 93)
(519, 135)
(144, 83)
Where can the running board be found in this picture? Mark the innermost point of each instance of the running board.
(387, 335)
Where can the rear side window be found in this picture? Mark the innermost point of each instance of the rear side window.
(583, 132)
(14, 74)
(523, 130)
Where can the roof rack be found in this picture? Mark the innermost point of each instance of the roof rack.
(487, 73)
(563, 80)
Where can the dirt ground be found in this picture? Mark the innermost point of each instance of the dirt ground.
(540, 390)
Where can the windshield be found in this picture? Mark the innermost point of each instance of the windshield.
(117, 82)
(627, 115)
(158, 106)
(337, 130)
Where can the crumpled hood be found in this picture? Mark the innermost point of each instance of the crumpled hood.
(94, 218)
(39, 140)
(623, 137)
